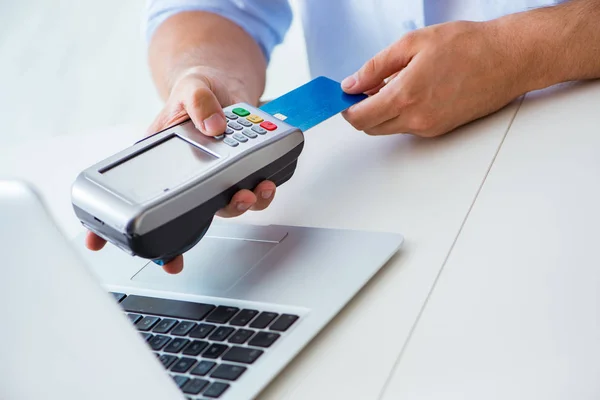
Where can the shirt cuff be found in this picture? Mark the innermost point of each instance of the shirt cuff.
(266, 23)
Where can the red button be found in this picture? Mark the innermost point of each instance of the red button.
(268, 126)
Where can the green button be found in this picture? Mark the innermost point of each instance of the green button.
(241, 112)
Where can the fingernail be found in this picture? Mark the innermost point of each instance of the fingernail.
(266, 194)
(349, 82)
(214, 123)
(243, 206)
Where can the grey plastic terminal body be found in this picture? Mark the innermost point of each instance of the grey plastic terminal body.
(105, 204)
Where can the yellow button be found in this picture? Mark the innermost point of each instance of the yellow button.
(254, 118)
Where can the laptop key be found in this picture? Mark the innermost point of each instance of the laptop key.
(216, 390)
(166, 307)
(244, 355)
(241, 335)
(222, 314)
(221, 333)
(176, 345)
(195, 348)
(118, 296)
(180, 380)
(264, 339)
(283, 322)
(167, 360)
(134, 318)
(215, 350)
(164, 326)
(195, 386)
(263, 320)
(183, 365)
(228, 372)
(147, 336)
(203, 368)
(158, 342)
(243, 317)
(183, 328)
(202, 331)
(146, 323)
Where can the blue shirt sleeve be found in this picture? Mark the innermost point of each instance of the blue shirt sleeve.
(267, 21)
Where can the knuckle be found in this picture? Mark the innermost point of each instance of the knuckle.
(409, 95)
(397, 105)
(361, 125)
(371, 66)
(355, 120)
(358, 125)
(421, 124)
(407, 41)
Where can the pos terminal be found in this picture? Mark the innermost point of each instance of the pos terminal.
(157, 198)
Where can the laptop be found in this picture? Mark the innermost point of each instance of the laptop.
(105, 325)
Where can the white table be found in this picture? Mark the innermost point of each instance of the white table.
(516, 311)
(421, 188)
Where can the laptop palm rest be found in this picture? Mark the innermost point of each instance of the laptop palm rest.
(223, 257)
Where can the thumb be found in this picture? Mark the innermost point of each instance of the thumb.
(203, 107)
(374, 72)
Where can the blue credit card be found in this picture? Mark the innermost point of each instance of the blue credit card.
(311, 103)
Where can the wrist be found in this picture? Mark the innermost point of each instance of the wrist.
(535, 42)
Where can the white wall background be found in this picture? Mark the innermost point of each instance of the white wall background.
(72, 66)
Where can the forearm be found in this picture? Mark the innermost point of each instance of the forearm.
(197, 40)
(554, 44)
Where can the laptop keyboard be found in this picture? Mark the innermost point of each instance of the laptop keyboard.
(205, 347)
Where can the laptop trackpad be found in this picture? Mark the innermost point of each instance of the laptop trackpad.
(217, 263)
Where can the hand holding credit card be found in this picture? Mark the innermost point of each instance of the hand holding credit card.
(312, 103)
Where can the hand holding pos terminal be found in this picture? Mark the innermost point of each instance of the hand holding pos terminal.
(157, 198)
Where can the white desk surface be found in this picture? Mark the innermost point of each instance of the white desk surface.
(419, 187)
(516, 311)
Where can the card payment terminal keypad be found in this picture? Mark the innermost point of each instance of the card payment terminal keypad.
(240, 118)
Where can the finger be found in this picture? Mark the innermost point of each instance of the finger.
(94, 242)
(375, 90)
(239, 204)
(377, 109)
(264, 192)
(204, 109)
(385, 82)
(174, 266)
(374, 72)
(390, 127)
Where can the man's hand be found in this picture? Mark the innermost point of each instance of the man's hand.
(200, 94)
(435, 79)
(441, 77)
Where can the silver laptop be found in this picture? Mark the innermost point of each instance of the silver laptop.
(84, 325)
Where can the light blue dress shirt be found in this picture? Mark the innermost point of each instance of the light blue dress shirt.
(340, 34)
